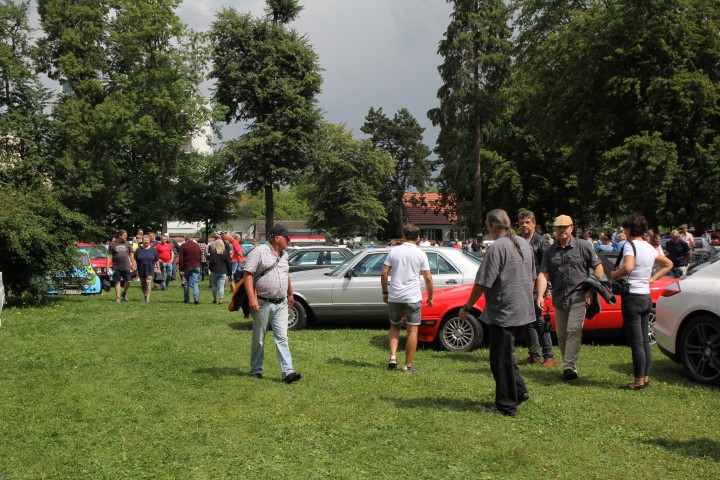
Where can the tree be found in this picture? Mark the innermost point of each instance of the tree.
(476, 51)
(207, 192)
(130, 101)
(288, 204)
(23, 122)
(342, 184)
(268, 76)
(401, 138)
(609, 83)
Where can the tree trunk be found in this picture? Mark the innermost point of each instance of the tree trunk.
(269, 209)
(399, 217)
(479, 219)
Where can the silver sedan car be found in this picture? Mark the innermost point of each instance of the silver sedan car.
(351, 291)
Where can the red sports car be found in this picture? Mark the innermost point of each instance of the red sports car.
(441, 322)
(98, 258)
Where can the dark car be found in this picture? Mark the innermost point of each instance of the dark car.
(311, 258)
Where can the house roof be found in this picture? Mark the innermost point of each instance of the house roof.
(428, 209)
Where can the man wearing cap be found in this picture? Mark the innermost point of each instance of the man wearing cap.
(267, 284)
(566, 265)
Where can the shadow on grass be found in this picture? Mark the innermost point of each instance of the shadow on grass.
(705, 448)
(217, 372)
(436, 403)
(246, 325)
(351, 363)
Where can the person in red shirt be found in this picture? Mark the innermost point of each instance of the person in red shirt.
(189, 268)
(237, 258)
(167, 258)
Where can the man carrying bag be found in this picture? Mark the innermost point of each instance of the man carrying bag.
(269, 298)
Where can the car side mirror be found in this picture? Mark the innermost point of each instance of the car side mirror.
(350, 273)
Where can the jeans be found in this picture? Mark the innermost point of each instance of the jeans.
(509, 383)
(167, 269)
(536, 333)
(192, 279)
(569, 327)
(636, 313)
(277, 316)
(217, 284)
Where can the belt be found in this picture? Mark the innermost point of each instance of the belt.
(272, 300)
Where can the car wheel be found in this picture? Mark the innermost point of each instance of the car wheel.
(297, 316)
(700, 349)
(458, 335)
(651, 326)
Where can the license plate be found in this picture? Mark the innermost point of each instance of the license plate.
(72, 292)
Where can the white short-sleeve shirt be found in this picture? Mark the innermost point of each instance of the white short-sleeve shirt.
(639, 279)
(407, 263)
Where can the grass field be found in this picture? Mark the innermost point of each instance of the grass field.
(93, 389)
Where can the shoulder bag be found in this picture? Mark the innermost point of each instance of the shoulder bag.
(621, 286)
(240, 299)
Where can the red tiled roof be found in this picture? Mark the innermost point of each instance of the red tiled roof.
(427, 209)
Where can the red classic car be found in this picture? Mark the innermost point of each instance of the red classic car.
(441, 322)
(98, 259)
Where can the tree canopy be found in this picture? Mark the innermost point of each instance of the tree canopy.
(401, 138)
(268, 76)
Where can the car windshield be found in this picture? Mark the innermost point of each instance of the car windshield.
(334, 272)
(83, 260)
(95, 251)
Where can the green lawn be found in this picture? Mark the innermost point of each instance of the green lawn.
(93, 389)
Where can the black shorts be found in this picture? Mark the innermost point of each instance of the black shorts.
(122, 275)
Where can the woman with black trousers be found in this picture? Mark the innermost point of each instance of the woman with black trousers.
(638, 259)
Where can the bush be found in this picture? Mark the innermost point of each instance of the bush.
(37, 235)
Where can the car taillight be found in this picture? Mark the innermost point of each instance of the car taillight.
(670, 290)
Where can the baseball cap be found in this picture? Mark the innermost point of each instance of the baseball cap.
(562, 221)
(278, 230)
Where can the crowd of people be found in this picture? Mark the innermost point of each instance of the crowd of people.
(515, 277)
(158, 262)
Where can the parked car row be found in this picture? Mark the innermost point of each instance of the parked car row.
(350, 291)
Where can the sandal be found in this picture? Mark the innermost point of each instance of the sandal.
(392, 364)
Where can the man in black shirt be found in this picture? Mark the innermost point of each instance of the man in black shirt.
(678, 251)
(537, 332)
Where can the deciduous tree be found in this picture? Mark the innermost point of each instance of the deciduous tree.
(268, 76)
(401, 138)
(342, 184)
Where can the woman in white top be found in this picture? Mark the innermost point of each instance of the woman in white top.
(638, 259)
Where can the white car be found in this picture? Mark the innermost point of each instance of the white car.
(351, 293)
(687, 325)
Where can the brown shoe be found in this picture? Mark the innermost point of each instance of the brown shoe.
(550, 362)
(529, 361)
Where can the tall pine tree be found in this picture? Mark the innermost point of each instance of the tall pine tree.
(476, 49)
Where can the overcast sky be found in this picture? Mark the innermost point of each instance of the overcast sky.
(379, 53)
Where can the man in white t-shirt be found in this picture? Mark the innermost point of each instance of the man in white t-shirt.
(687, 236)
(404, 296)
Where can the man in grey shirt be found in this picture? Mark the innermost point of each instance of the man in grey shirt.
(270, 297)
(506, 278)
(566, 265)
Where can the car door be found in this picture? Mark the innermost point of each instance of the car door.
(443, 272)
(358, 295)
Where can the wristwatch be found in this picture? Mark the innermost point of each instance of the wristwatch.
(465, 307)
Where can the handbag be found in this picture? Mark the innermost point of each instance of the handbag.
(240, 299)
(158, 276)
(621, 286)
